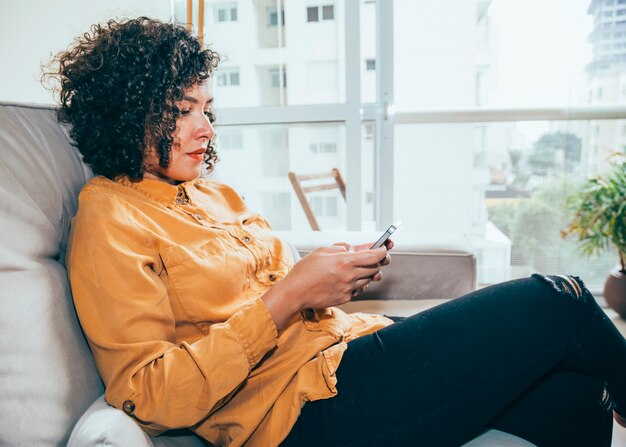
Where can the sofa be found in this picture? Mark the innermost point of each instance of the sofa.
(50, 391)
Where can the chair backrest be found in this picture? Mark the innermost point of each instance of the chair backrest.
(301, 191)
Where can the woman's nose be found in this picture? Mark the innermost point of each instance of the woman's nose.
(204, 129)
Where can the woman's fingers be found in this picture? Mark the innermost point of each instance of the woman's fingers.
(386, 261)
(367, 272)
(345, 245)
(360, 286)
(388, 244)
(367, 258)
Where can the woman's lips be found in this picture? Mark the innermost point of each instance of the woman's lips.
(197, 155)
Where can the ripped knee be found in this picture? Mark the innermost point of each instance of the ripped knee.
(605, 400)
(571, 286)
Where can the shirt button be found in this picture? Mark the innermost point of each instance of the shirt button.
(309, 314)
(272, 277)
(246, 239)
(128, 406)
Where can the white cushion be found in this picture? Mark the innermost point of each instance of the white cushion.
(47, 375)
(105, 425)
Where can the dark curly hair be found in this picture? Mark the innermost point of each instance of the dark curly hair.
(119, 85)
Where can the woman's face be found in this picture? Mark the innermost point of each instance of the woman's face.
(192, 136)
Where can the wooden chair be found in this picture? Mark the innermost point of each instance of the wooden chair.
(302, 190)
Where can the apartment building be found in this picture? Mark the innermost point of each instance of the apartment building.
(606, 79)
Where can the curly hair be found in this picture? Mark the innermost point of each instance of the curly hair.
(119, 85)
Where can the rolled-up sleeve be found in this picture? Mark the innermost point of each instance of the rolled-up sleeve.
(126, 314)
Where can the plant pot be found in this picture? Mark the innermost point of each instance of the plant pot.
(615, 291)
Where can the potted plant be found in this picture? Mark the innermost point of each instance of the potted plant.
(600, 222)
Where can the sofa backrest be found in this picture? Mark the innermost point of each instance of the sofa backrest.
(47, 375)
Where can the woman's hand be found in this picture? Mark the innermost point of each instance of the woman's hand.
(388, 244)
(328, 276)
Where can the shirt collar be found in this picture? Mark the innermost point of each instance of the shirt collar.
(162, 192)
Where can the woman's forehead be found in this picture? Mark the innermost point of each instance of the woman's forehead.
(203, 89)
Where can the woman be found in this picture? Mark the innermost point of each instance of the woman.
(197, 316)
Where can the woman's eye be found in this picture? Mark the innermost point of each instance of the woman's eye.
(210, 115)
(184, 112)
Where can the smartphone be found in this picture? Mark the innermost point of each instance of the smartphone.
(386, 235)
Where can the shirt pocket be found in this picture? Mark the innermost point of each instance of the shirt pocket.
(209, 281)
(324, 320)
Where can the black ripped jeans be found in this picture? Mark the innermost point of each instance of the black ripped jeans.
(534, 357)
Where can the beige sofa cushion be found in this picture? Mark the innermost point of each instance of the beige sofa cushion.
(47, 375)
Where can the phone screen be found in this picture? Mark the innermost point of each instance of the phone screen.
(386, 235)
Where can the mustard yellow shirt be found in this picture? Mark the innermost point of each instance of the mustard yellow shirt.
(167, 283)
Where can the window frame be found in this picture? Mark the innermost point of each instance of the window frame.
(271, 12)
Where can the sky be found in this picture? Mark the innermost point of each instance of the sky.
(543, 51)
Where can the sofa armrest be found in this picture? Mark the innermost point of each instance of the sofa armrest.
(424, 266)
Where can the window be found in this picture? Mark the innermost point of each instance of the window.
(225, 13)
(277, 209)
(323, 148)
(228, 77)
(621, 12)
(230, 139)
(312, 14)
(317, 13)
(272, 17)
(433, 163)
(324, 206)
(275, 152)
(275, 80)
(328, 12)
(608, 13)
(328, 148)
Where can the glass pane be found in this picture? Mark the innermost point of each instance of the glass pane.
(262, 35)
(255, 160)
(505, 185)
(312, 14)
(328, 12)
(500, 53)
(234, 78)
